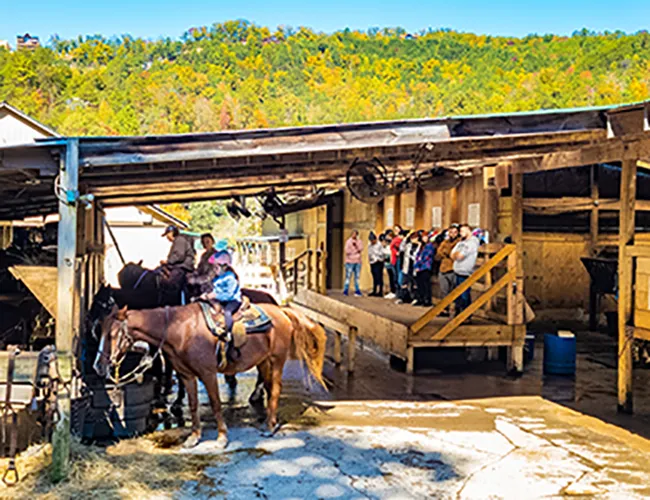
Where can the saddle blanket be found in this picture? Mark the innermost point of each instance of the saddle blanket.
(248, 319)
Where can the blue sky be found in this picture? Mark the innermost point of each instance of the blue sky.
(155, 18)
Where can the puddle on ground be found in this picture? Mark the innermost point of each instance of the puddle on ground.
(559, 389)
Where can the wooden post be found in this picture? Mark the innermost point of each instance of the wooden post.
(516, 293)
(323, 272)
(66, 323)
(295, 276)
(337, 348)
(352, 348)
(410, 360)
(283, 244)
(625, 285)
(317, 270)
(310, 269)
(593, 244)
(488, 284)
(593, 222)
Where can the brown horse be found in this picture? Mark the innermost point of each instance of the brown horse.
(186, 339)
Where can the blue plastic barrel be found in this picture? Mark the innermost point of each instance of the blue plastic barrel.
(559, 355)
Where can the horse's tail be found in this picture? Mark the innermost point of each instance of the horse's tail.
(308, 343)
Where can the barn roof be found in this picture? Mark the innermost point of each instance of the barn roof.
(167, 168)
(44, 129)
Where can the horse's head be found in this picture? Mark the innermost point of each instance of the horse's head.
(115, 341)
(102, 304)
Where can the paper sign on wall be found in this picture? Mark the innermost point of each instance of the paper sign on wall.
(390, 217)
(436, 217)
(474, 214)
(410, 217)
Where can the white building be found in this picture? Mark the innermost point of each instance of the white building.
(137, 230)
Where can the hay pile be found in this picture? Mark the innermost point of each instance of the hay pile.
(137, 468)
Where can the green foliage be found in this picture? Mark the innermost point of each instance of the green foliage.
(239, 75)
(212, 217)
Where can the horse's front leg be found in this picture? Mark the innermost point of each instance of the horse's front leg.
(212, 387)
(177, 405)
(193, 400)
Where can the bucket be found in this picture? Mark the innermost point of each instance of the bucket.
(559, 354)
(529, 348)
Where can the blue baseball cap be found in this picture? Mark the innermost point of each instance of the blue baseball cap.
(221, 245)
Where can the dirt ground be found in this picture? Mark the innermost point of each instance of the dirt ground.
(455, 432)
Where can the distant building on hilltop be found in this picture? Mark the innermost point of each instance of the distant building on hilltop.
(27, 42)
(4, 44)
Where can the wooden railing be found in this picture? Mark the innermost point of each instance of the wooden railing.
(306, 271)
(506, 253)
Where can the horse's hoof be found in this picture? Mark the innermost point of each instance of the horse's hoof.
(271, 431)
(191, 441)
(222, 442)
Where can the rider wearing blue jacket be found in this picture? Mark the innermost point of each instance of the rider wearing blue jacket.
(225, 287)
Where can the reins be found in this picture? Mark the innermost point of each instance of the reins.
(145, 363)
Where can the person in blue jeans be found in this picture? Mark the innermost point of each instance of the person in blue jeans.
(464, 255)
(353, 252)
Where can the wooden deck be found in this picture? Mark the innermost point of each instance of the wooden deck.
(388, 325)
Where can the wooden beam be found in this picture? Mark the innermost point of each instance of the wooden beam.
(593, 219)
(516, 295)
(597, 152)
(66, 324)
(638, 250)
(170, 196)
(463, 287)
(625, 285)
(352, 348)
(469, 336)
(641, 333)
(566, 204)
(446, 148)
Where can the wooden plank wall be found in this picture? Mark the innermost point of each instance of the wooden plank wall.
(642, 295)
(554, 275)
(414, 209)
(363, 218)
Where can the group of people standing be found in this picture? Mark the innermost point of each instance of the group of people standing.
(411, 258)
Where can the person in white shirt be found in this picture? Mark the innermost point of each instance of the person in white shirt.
(464, 255)
(376, 259)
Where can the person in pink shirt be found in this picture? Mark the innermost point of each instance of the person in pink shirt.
(353, 252)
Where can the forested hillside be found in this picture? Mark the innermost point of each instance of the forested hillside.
(238, 75)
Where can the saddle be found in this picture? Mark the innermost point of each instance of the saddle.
(248, 319)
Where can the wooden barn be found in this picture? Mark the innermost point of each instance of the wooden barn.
(504, 160)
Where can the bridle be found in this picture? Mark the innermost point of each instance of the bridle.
(125, 341)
